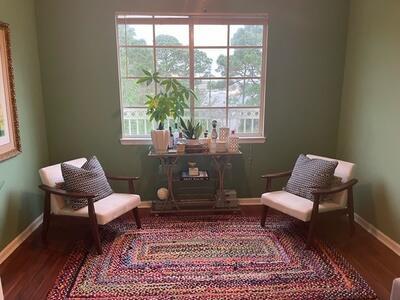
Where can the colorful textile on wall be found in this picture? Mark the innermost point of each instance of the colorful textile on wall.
(208, 257)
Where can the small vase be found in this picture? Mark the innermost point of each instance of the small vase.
(233, 142)
(223, 133)
(160, 139)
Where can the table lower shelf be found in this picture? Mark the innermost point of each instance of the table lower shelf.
(196, 210)
(195, 205)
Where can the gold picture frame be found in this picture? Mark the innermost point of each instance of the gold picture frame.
(10, 145)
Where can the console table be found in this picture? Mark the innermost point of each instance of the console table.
(169, 161)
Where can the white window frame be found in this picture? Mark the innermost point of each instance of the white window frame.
(191, 20)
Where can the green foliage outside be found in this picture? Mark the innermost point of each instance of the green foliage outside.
(243, 62)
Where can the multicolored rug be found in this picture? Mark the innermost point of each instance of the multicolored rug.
(208, 257)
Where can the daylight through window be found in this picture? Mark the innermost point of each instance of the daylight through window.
(221, 58)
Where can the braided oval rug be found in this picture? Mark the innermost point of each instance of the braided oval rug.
(208, 257)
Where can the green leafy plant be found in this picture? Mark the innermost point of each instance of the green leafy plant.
(190, 130)
(170, 101)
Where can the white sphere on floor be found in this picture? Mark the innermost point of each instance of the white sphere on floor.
(162, 193)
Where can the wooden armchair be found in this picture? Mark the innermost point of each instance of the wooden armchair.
(341, 199)
(98, 213)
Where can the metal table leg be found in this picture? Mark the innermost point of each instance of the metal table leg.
(168, 164)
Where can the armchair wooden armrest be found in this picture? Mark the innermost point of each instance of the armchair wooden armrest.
(336, 189)
(277, 175)
(271, 176)
(129, 179)
(122, 178)
(60, 192)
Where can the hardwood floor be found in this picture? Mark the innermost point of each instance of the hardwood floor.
(31, 270)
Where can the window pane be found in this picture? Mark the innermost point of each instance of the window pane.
(210, 62)
(139, 35)
(136, 122)
(206, 116)
(246, 35)
(122, 62)
(121, 34)
(245, 62)
(138, 59)
(134, 94)
(210, 35)
(244, 92)
(173, 62)
(245, 120)
(210, 92)
(169, 35)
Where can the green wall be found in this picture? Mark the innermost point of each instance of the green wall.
(80, 83)
(369, 122)
(19, 197)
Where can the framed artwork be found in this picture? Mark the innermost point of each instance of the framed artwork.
(9, 130)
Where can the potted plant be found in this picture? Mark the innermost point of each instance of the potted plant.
(170, 102)
(191, 131)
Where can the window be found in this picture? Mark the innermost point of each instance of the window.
(222, 58)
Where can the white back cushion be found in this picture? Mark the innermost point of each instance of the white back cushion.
(344, 170)
(52, 175)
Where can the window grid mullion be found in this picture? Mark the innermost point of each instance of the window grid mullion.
(126, 52)
(227, 78)
(191, 67)
(154, 54)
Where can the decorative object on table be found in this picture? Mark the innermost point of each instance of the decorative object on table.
(196, 148)
(9, 128)
(213, 146)
(214, 134)
(180, 147)
(233, 142)
(170, 102)
(206, 140)
(221, 146)
(193, 170)
(224, 133)
(191, 131)
(310, 211)
(162, 193)
(202, 175)
(221, 255)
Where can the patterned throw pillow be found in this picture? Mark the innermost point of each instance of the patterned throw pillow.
(309, 175)
(90, 178)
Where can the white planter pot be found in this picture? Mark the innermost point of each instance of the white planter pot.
(160, 139)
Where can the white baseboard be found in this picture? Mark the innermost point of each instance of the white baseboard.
(379, 235)
(10, 248)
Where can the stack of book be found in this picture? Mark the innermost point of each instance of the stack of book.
(203, 175)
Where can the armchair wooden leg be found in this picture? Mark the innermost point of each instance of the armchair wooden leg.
(264, 215)
(95, 232)
(311, 231)
(136, 216)
(350, 210)
(46, 218)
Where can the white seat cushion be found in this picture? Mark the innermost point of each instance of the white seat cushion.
(107, 209)
(295, 206)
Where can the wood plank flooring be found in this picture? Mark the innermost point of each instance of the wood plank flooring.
(31, 270)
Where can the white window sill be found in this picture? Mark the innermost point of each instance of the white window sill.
(147, 141)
